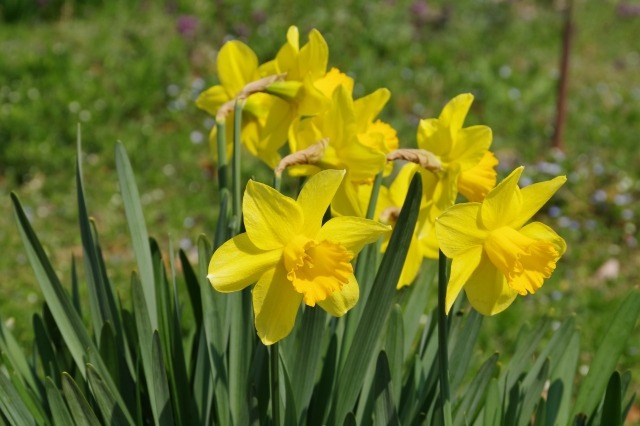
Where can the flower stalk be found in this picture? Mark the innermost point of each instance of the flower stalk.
(443, 352)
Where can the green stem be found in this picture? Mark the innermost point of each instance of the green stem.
(221, 142)
(236, 195)
(443, 351)
(275, 386)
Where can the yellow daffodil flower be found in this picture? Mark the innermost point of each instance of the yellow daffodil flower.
(307, 83)
(265, 118)
(495, 255)
(343, 129)
(292, 256)
(467, 163)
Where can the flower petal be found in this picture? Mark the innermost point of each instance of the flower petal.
(503, 203)
(462, 267)
(487, 289)
(275, 306)
(476, 182)
(315, 197)
(534, 198)
(239, 263)
(368, 107)
(458, 229)
(352, 232)
(470, 145)
(211, 99)
(454, 113)
(314, 56)
(338, 303)
(540, 231)
(412, 263)
(271, 219)
(237, 66)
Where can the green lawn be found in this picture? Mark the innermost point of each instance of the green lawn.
(126, 73)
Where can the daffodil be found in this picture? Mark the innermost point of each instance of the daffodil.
(265, 118)
(496, 254)
(355, 141)
(307, 84)
(291, 256)
(467, 165)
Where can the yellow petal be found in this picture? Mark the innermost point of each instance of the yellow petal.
(352, 232)
(458, 229)
(400, 185)
(369, 107)
(454, 113)
(502, 204)
(412, 263)
(476, 182)
(470, 145)
(540, 231)
(332, 80)
(534, 198)
(434, 137)
(237, 66)
(275, 306)
(487, 289)
(239, 263)
(315, 197)
(352, 198)
(314, 56)
(462, 267)
(271, 219)
(338, 303)
(211, 99)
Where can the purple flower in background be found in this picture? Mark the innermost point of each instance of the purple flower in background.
(187, 25)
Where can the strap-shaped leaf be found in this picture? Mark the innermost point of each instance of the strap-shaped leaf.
(559, 395)
(609, 350)
(377, 307)
(385, 412)
(78, 406)
(461, 347)
(612, 404)
(138, 230)
(472, 399)
(11, 404)
(394, 348)
(107, 403)
(59, 412)
(159, 381)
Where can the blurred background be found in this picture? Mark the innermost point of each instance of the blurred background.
(130, 71)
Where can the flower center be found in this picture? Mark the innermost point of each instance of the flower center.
(317, 269)
(525, 262)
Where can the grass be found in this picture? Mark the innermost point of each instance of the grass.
(125, 72)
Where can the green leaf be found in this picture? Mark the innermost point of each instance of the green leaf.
(492, 408)
(612, 405)
(78, 406)
(16, 359)
(471, 403)
(307, 355)
(159, 381)
(107, 403)
(201, 382)
(323, 391)
(394, 346)
(287, 398)
(561, 388)
(193, 289)
(609, 350)
(138, 230)
(216, 334)
(12, 405)
(532, 387)
(66, 317)
(109, 349)
(44, 349)
(377, 306)
(59, 412)
(241, 343)
(385, 411)
(416, 297)
(461, 347)
(101, 295)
